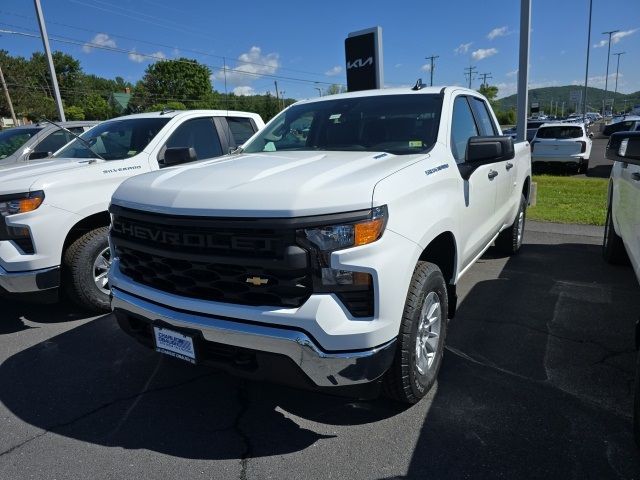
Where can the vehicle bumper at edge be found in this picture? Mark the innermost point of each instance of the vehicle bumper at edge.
(30, 281)
(569, 159)
(247, 341)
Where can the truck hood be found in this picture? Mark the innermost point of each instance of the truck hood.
(270, 184)
(19, 177)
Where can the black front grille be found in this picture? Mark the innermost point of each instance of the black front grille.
(233, 261)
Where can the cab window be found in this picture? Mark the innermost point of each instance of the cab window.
(463, 127)
(199, 134)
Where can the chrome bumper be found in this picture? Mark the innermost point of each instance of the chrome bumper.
(30, 281)
(325, 369)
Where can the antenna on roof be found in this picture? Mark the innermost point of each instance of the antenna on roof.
(166, 109)
(419, 85)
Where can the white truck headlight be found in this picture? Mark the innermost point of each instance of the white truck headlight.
(20, 202)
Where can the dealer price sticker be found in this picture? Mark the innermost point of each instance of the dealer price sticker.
(175, 344)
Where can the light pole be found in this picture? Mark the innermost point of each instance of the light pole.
(615, 92)
(606, 77)
(586, 73)
(319, 91)
(432, 58)
(52, 69)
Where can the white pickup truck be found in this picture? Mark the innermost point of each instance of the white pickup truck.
(53, 213)
(325, 253)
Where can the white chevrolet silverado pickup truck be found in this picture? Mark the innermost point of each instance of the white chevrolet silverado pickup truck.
(326, 252)
(53, 213)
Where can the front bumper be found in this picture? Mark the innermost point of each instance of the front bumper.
(324, 369)
(568, 160)
(30, 281)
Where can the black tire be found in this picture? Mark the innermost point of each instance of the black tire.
(636, 405)
(404, 381)
(510, 240)
(584, 166)
(613, 250)
(78, 264)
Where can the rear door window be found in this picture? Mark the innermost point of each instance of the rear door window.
(560, 133)
(242, 129)
(485, 122)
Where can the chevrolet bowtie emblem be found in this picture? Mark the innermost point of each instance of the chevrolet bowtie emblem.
(257, 281)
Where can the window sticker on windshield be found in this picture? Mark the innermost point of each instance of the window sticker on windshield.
(335, 116)
(269, 147)
(415, 143)
(130, 153)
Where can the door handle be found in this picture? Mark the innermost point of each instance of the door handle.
(509, 166)
(492, 174)
(636, 176)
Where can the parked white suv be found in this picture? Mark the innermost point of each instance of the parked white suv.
(53, 213)
(326, 254)
(568, 144)
(621, 243)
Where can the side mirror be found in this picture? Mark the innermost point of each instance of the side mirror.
(489, 149)
(37, 155)
(624, 147)
(590, 134)
(177, 155)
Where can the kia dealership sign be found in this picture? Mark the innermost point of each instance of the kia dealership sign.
(363, 53)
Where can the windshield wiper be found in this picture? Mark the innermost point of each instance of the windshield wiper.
(86, 144)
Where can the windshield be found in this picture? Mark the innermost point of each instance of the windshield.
(559, 132)
(399, 124)
(115, 139)
(11, 140)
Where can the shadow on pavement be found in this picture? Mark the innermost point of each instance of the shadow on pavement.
(536, 380)
(14, 316)
(97, 385)
(600, 171)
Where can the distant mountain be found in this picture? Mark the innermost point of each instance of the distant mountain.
(595, 97)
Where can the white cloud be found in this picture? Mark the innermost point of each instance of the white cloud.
(147, 57)
(426, 67)
(615, 38)
(462, 48)
(483, 53)
(249, 67)
(598, 80)
(498, 32)
(101, 39)
(333, 71)
(244, 90)
(397, 65)
(505, 89)
(512, 73)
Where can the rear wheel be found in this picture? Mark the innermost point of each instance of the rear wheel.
(86, 264)
(509, 241)
(613, 250)
(584, 166)
(422, 335)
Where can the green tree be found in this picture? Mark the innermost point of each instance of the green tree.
(182, 80)
(74, 113)
(96, 107)
(334, 89)
(157, 107)
(489, 91)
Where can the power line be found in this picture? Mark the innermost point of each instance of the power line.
(237, 71)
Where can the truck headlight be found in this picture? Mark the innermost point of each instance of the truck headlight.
(338, 237)
(20, 202)
(353, 288)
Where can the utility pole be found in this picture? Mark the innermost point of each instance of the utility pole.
(523, 70)
(8, 97)
(275, 82)
(615, 92)
(470, 72)
(484, 77)
(283, 101)
(586, 73)
(433, 66)
(562, 113)
(319, 91)
(47, 51)
(606, 77)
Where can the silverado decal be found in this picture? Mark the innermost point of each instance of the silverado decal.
(437, 169)
(122, 169)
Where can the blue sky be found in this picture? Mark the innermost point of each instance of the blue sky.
(302, 42)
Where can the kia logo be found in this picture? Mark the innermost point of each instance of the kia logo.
(358, 63)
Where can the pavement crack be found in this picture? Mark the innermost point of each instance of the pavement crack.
(543, 331)
(245, 403)
(58, 426)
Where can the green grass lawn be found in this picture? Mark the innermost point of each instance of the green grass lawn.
(570, 200)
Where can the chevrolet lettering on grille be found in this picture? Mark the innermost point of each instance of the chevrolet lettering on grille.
(257, 281)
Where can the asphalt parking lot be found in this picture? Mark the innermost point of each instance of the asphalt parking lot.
(536, 383)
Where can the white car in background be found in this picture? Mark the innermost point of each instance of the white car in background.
(569, 144)
(621, 243)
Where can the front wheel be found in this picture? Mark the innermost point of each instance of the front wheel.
(421, 339)
(86, 263)
(509, 241)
